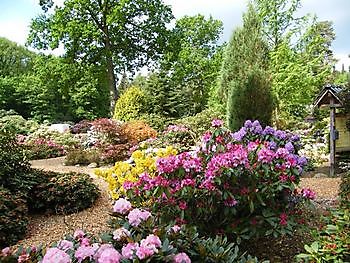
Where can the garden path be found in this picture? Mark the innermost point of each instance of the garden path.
(45, 229)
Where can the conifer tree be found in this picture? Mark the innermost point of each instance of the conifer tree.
(244, 81)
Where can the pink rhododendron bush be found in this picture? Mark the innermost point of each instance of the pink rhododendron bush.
(138, 236)
(242, 184)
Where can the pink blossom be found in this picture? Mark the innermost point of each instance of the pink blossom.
(85, 242)
(120, 233)
(84, 252)
(143, 252)
(78, 234)
(56, 255)
(217, 123)
(129, 250)
(308, 193)
(100, 250)
(182, 258)
(182, 205)
(266, 155)
(175, 228)
(109, 255)
(122, 206)
(23, 258)
(230, 202)
(136, 216)
(65, 245)
(283, 219)
(5, 251)
(151, 242)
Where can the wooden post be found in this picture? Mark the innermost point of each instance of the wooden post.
(332, 138)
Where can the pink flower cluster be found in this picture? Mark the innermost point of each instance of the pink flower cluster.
(122, 206)
(308, 193)
(145, 249)
(182, 258)
(136, 216)
(186, 160)
(176, 128)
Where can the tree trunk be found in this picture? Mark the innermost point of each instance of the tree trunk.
(111, 79)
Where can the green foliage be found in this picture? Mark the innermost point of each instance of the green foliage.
(17, 124)
(110, 33)
(82, 156)
(244, 81)
(130, 105)
(156, 121)
(63, 193)
(331, 241)
(344, 192)
(14, 59)
(15, 169)
(201, 122)
(13, 217)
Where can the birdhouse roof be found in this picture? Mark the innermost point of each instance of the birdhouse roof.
(329, 91)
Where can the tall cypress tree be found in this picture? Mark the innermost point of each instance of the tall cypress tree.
(245, 84)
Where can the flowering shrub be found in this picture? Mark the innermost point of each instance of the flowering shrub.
(109, 131)
(137, 236)
(140, 162)
(41, 148)
(81, 127)
(243, 183)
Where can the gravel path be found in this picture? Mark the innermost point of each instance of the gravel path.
(45, 229)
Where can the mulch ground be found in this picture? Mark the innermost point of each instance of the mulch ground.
(45, 229)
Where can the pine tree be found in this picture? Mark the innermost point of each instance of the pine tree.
(245, 84)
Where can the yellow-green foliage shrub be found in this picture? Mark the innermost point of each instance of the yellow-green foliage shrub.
(143, 161)
(130, 105)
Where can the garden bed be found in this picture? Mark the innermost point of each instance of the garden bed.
(49, 228)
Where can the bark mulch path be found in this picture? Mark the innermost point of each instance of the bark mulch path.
(46, 229)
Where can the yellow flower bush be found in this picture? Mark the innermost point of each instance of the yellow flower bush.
(143, 161)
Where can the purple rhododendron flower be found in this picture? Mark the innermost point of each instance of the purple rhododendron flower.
(289, 146)
(268, 131)
(56, 255)
(248, 124)
(239, 135)
(308, 193)
(122, 206)
(182, 258)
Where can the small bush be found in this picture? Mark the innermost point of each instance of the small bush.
(63, 193)
(332, 241)
(83, 156)
(81, 127)
(17, 124)
(13, 217)
(15, 169)
(200, 122)
(109, 131)
(345, 190)
(137, 131)
(130, 105)
(156, 121)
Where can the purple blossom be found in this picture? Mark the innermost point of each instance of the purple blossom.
(129, 250)
(239, 135)
(289, 146)
(268, 131)
(308, 193)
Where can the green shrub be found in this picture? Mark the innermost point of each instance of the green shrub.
(13, 217)
(17, 124)
(82, 156)
(345, 190)
(63, 193)
(15, 169)
(332, 241)
(130, 105)
(200, 122)
(156, 121)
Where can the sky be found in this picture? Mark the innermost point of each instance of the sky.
(15, 17)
